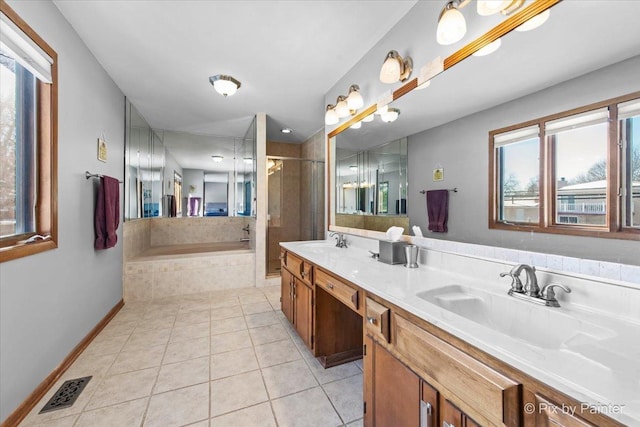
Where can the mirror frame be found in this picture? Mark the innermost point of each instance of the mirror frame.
(500, 30)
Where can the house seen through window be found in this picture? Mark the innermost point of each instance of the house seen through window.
(576, 172)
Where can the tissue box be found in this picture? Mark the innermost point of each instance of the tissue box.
(392, 252)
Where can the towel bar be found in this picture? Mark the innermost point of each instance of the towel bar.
(88, 175)
(455, 190)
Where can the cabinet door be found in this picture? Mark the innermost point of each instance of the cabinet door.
(454, 417)
(428, 406)
(396, 391)
(286, 292)
(450, 415)
(303, 311)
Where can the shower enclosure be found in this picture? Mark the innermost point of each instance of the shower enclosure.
(295, 192)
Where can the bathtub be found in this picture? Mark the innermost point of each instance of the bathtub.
(191, 249)
(170, 270)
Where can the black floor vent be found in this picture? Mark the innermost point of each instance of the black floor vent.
(66, 394)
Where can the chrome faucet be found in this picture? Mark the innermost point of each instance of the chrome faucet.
(531, 291)
(531, 287)
(549, 296)
(341, 241)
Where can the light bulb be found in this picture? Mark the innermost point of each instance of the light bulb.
(391, 69)
(535, 22)
(424, 85)
(491, 7)
(354, 100)
(356, 125)
(331, 117)
(391, 115)
(451, 26)
(489, 49)
(382, 109)
(342, 108)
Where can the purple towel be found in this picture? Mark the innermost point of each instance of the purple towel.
(107, 214)
(194, 206)
(438, 210)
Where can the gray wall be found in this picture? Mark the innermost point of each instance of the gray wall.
(50, 301)
(461, 147)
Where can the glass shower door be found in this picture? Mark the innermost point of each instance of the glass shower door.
(295, 199)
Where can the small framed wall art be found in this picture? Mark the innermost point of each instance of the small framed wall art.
(102, 149)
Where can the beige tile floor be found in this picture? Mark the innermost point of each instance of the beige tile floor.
(228, 358)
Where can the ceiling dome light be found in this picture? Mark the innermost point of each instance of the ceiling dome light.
(535, 22)
(353, 168)
(491, 7)
(248, 160)
(217, 159)
(224, 85)
(342, 108)
(368, 119)
(395, 68)
(331, 117)
(391, 115)
(286, 130)
(451, 25)
(489, 49)
(356, 125)
(354, 99)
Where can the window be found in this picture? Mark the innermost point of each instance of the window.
(629, 117)
(519, 195)
(580, 144)
(27, 139)
(572, 173)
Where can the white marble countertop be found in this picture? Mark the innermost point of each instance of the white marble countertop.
(605, 376)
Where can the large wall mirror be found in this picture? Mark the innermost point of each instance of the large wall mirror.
(179, 174)
(371, 183)
(578, 38)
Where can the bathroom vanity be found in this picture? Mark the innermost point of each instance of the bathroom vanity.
(444, 345)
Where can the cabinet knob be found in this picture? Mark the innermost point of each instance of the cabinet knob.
(372, 320)
(330, 285)
(303, 273)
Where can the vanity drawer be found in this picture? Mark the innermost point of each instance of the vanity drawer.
(300, 268)
(378, 319)
(495, 396)
(340, 290)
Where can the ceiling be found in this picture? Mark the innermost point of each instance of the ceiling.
(287, 54)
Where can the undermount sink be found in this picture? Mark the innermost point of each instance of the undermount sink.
(538, 326)
(317, 246)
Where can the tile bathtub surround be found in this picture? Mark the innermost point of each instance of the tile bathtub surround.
(221, 358)
(154, 279)
(174, 231)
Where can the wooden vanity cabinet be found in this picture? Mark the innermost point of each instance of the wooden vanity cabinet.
(547, 413)
(453, 417)
(394, 397)
(415, 374)
(286, 294)
(338, 320)
(303, 312)
(296, 293)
